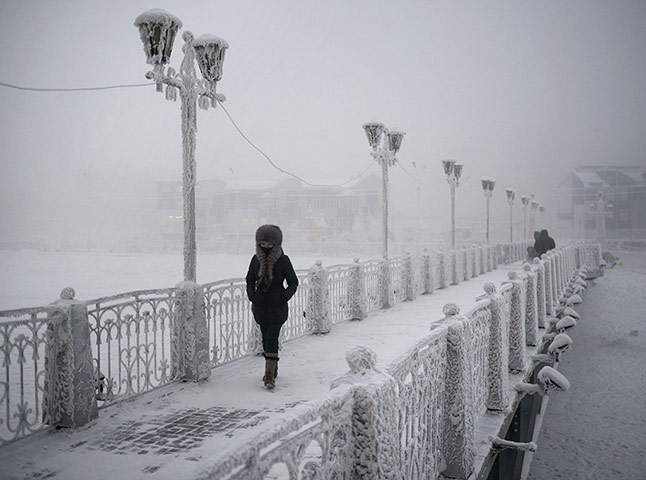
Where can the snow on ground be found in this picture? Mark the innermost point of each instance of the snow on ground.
(30, 278)
(597, 430)
(306, 368)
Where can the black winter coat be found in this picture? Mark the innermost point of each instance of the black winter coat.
(276, 295)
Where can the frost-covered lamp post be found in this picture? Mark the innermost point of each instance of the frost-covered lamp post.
(419, 217)
(600, 211)
(385, 145)
(511, 195)
(488, 185)
(532, 217)
(541, 217)
(453, 173)
(524, 200)
(157, 29)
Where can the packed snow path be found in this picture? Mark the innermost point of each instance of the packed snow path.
(169, 431)
(598, 429)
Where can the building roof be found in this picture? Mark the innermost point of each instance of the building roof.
(591, 176)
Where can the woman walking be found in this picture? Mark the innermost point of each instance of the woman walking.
(269, 269)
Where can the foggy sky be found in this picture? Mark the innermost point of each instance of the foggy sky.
(519, 91)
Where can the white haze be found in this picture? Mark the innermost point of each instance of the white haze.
(519, 91)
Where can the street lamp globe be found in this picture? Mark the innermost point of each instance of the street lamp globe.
(457, 170)
(374, 130)
(209, 53)
(157, 29)
(511, 195)
(448, 166)
(394, 138)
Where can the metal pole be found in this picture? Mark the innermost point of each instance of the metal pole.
(487, 219)
(525, 221)
(511, 223)
(384, 199)
(189, 127)
(453, 215)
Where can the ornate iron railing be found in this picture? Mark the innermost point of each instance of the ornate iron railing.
(27, 341)
(316, 442)
(132, 345)
(232, 331)
(338, 287)
(373, 294)
(298, 324)
(397, 278)
(419, 374)
(480, 322)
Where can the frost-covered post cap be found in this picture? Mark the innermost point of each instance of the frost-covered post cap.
(512, 275)
(489, 288)
(361, 358)
(67, 293)
(450, 310)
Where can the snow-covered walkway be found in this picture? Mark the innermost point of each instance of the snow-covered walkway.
(166, 433)
(597, 430)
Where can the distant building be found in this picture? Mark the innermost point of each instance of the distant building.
(624, 188)
(232, 211)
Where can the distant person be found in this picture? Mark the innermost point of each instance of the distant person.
(544, 243)
(531, 251)
(268, 270)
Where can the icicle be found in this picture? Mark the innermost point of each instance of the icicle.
(171, 93)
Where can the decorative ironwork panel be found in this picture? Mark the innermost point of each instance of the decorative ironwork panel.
(315, 443)
(297, 325)
(339, 288)
(233, 333)
(419, 374)
(373, 294)
(397, 280)
(27, 339)
(418, 274)
(132, 342)
(480, 318)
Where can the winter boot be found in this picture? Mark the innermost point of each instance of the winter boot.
(271, 366)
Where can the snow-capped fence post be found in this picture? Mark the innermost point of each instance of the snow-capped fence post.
(453, 255)
(385, 284)
(441, 270)
(427, 273)
(318, 304)
(465, 263)
(458, 422)
(531, 320)
(474, 261)
(408, 278)
(190, 339)
(357, 291)
(481, 267)
(375, 437)
(69, 393)
(549, 297)
(498, 353)
(496, 256)
(488, 259)
(516, 323)
(539, 266)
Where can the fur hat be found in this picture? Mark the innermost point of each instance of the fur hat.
(269, 233)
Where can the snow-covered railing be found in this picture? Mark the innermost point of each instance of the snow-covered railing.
(315, 442)
(139, 341)
(418, 418)
(27, 339)
(230, 324)
(133, 341)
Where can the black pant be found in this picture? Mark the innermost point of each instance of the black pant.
(270, 320)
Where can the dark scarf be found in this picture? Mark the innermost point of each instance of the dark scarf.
(267, 262)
